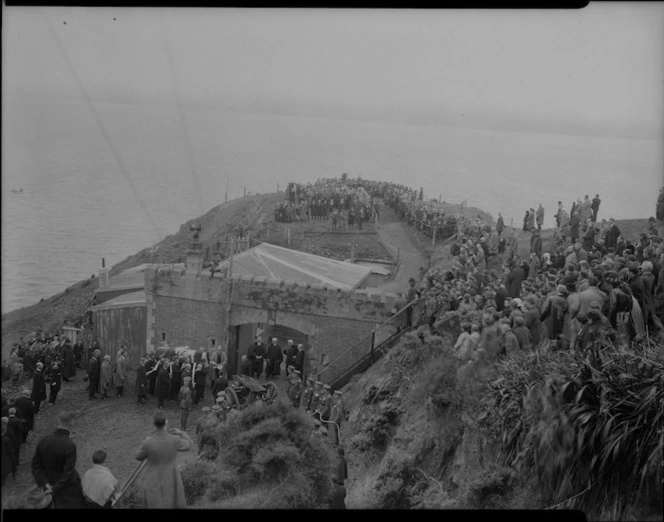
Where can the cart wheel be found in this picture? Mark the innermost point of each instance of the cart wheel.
(271, 392)
(232, 397)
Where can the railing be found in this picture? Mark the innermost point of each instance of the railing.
(365, 346)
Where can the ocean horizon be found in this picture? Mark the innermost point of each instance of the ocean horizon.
(77, 205)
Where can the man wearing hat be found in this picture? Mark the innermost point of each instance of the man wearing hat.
(26, 410)
(337, 416)
(141, 381)
(38, 386)
(307, 394)
(54, 465)
(597, 326)
(274, 359)
(162, 484)
(94, 373)
(208, 446)
(295, 388)
(220, 385)
(256, 356)
(300, 358)
(325, 402)
(554, 312)
(290, 352)
(315, 397)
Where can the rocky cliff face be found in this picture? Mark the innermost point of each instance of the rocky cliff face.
(412, 439)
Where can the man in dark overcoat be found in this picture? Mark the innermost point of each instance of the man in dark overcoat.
(256, 355)
(68, 363)
(77, 350)
(94, 374)
(274, 359)
(300, 359)
(290, 352)
(141, 381)
(15, 431)
(38, 386)
(26, 409)
(54, 465)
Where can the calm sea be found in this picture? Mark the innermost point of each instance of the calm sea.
(78, 205)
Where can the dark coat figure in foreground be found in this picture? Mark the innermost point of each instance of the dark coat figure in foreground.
(54, 465)
(15, 434)
(26, 409)
(7, 452)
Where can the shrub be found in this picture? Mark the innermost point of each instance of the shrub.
(264, 448)
(497, 480)
(377, 430)
(438, 380)
(398, 483)
(585, 424)
(416, 349)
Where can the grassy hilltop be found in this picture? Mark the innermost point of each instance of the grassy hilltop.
(256, 214)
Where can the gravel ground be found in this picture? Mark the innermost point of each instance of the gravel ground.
(116, 425)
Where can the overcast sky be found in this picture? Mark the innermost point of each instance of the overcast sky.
(602, 66)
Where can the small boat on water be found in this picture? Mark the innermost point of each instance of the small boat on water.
(17, 191)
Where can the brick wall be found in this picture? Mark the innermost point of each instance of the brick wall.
(191, 309)
(187, 322)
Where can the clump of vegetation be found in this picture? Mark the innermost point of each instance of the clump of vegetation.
(417, 349)
(586, 425)
(437, 382)
(268, 459)
(377, 429)
(399, 484)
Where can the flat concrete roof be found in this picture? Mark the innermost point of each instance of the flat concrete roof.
(124, 300)
(277, 262)
(134, 277)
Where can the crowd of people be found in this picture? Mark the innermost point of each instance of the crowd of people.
(345, 205)
(588, 281)
(164, 375)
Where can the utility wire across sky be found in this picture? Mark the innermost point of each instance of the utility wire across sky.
(98, 120)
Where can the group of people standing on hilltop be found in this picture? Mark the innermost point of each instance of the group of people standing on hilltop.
(345, 205)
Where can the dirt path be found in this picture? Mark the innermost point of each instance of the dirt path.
(116, 425)
(399, 236)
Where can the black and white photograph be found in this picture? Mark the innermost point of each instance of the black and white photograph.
(298, 258)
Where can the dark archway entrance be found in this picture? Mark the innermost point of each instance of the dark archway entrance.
(243, 335)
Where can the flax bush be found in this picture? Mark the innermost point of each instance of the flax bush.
(586, 425)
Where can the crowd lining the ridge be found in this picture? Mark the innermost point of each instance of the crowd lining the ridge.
(588, 281)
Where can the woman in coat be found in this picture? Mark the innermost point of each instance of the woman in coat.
(162, 485)
(106, 376)
(120, 373)
(38, 386)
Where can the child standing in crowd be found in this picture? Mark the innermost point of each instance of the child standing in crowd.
(99, 485)
(185, 402)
